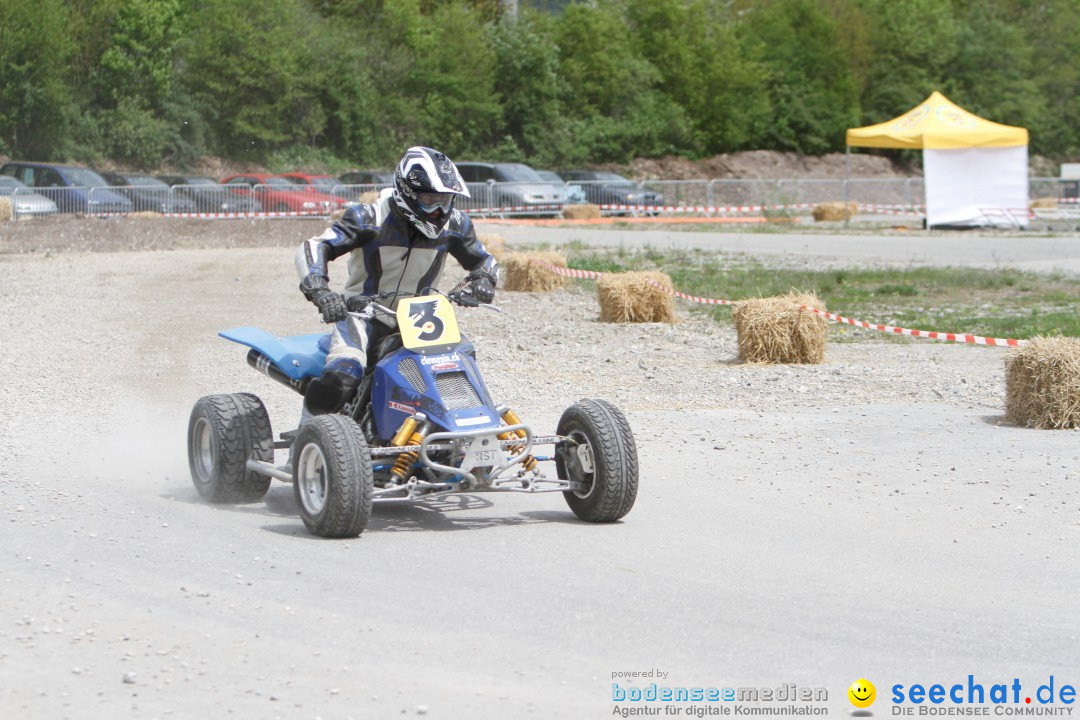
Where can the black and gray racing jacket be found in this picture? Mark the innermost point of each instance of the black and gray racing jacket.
(388, 254)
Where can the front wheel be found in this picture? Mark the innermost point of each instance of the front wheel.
(332, 476)
(225, 431)
(601, 460)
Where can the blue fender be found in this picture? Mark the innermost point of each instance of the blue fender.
(298, 356)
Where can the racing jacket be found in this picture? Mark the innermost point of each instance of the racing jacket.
(388, 254)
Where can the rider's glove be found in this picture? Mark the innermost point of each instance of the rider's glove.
(330, 304)
(482, 287)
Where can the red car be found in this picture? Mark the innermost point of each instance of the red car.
(324, 184)
(279, 195)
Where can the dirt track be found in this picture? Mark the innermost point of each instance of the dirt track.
(866, 518)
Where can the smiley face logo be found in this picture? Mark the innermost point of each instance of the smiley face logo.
(862, 693)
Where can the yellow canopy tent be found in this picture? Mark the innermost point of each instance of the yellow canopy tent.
(975, 170)
(938, 124)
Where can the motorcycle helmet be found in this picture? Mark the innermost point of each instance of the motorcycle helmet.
(425, 186)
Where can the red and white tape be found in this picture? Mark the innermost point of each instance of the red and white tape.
(929, 334)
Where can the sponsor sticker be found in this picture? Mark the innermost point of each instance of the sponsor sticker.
(402, 408)
(440, 359)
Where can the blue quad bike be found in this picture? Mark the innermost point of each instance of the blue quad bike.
(420, 425)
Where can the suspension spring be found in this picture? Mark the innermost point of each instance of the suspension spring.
(510, 418)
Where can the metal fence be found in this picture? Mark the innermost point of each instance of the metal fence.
(501, 199)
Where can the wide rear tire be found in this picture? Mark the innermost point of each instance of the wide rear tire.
(604, 461)
(224, 432)
(332, 476)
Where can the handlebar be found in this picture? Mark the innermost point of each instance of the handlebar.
(366, 306)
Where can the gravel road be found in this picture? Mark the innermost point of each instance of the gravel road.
(869, 517)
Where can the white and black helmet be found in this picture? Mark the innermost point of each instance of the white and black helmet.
(425, 185)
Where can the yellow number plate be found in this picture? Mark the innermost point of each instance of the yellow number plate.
(426, 321)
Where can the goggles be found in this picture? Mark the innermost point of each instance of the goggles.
(430, 202)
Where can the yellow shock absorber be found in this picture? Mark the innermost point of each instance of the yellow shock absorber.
(510, 418)
(407, 434)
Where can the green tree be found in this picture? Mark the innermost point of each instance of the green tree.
(703, 69)
(813, 95)
(36, 105)
(530, 88)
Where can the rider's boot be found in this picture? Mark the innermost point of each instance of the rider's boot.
(329, 393)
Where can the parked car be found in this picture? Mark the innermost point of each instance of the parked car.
(608, 188)
(149, 194)
(325, 184)
(209, 196)
(367, 177)
(25, 202)
(279, 195)
(575, 195)
(509, 185)
(74, 189)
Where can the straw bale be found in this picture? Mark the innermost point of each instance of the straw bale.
(777, 330)
(336, 215)
(5, 209)
(630, 297)
(369, 197)
(145, 215)
(834, 211)
(527, 272)
(495, 244)
(1042, 383)
(581, 212)
(1043, 203)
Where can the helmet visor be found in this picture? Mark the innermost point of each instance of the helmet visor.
(430, 202)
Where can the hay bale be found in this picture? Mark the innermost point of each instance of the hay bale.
(526, 272)
(336, 215)
(581, 212)
(1042, 384)
(369, 197)
(834, 211)
(777, 330)
(5, 209)
(630, 297)
(145, 215)
(494, 244)
(1043, 203)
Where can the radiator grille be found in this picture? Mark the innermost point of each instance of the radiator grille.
(456, 391)
(411, 372)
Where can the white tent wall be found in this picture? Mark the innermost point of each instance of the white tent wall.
(977, 186)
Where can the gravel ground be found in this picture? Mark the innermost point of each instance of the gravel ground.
(780, 507)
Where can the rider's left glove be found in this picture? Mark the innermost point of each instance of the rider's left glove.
(330, 304)
(482, 289)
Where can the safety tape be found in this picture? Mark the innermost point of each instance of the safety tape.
(221, 216)
(516, 208)
(929, 334)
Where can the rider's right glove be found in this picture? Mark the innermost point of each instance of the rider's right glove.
(330, 304)
(482, 288)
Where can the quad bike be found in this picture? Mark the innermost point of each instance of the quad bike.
(420, 425)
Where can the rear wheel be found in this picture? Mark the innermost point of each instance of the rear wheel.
(224, 432)
(332, 476)
(601, 459)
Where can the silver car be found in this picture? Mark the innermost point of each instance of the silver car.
(24, 201)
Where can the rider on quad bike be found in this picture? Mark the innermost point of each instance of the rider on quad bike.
(396, 245)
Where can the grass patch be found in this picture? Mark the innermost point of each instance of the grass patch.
(997, 303)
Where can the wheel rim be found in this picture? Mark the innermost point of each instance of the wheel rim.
(311, 478)
(586, 458)
(202, 450)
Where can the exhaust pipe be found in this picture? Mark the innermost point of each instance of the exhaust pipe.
(263, 364)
